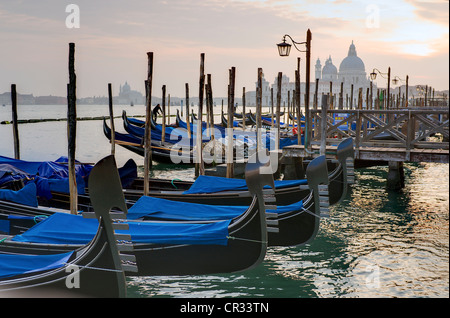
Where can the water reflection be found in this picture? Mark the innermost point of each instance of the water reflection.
(375, 243)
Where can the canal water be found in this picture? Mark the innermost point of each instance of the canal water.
(375, 243)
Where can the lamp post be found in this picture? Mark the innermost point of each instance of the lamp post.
(284, 49)
(373, 76)
(395, 81)
(422, 92)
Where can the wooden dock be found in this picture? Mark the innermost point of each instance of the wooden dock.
(393, 136)
(408, 134)
(374, 153)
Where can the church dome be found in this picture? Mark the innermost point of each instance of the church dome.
(352, 62)
(329, 68)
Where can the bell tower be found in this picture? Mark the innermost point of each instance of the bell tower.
(318, 69)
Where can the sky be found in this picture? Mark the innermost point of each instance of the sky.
(113, 37)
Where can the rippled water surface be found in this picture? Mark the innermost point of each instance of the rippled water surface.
(376, 243)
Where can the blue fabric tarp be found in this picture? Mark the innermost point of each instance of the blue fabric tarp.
(174, 210)
(48, 175)
(62, 228)
(211, 184)
(26, 195)
(54, 175)
(47, 169)
(12, 265)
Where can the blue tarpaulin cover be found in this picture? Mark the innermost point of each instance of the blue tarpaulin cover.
(13, 265)
(174, 210)
(62, 228)
(54, 175)
(26, 195)
(48, 175)
(211, 184)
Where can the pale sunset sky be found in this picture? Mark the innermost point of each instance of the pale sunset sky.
(410, 36)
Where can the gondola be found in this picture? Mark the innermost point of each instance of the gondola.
(234, 192)
(225, 122)
(161, 151)
(98, 264)
(237, 244)
(248, 121)
(288, 192)
(296, 222)
(294, 118)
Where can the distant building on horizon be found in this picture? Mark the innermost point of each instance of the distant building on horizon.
(351, 72)
(129, 96)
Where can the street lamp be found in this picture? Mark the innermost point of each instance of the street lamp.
(284, 49)
(395, 81)
(373, 76)
(423, 91)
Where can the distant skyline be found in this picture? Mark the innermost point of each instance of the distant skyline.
(410, 36)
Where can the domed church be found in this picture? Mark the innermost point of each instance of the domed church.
(351, 72)
(352, 69)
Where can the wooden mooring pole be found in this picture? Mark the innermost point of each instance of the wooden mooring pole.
(210, 99)
(199, 166)
(72, 129)
(147, 133)
(229, 147)
(15, 122)
(163, 106)
(111, 117)
(280, 76)
(259, 111)
(188, 121)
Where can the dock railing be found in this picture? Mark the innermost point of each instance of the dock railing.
(408, 128)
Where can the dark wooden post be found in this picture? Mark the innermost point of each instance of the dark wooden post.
(200, 169)
(323, 124)
(229, 154)
(316, 96)
(272, 110)
(280, 76)
(308, 125)
(15, 122)
(330, 101)
(351, 97)
(168, 109)
(163, 106)
(407, 83)
(259, 111)
(388, 87)
(111, 121)
(297, 90)
(208, 113)
(211, 106)
(147, 134)
(187, 112)
(72, 129)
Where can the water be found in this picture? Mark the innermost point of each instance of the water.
(375, 243)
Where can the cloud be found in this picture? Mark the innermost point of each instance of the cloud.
(434, 11)
(114, 37)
